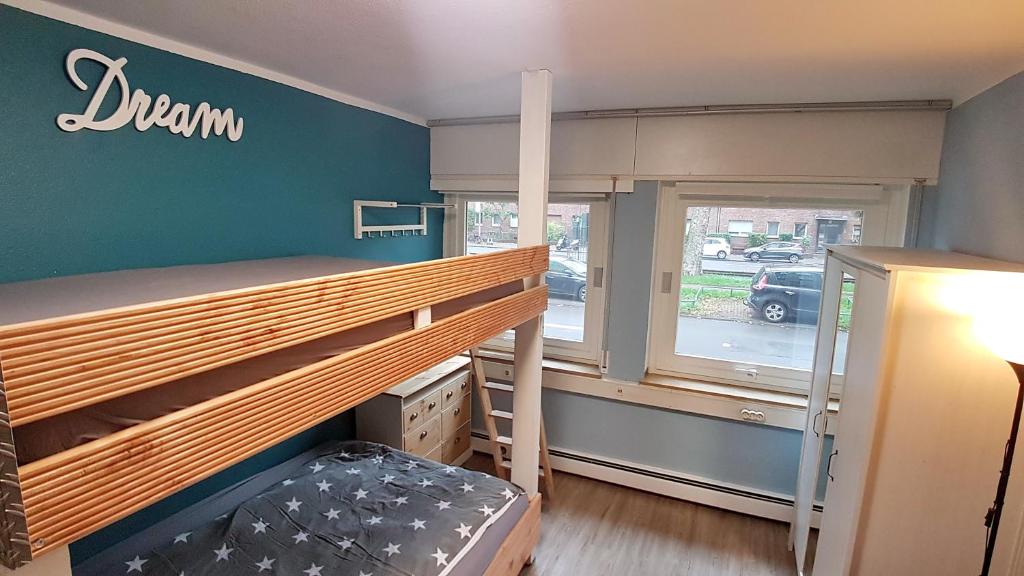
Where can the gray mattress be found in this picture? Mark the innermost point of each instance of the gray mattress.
(75, 294)
(436, 520)
(67, 295)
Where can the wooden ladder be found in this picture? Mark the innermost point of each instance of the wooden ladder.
(501, 446)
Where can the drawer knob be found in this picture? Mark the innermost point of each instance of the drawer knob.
(463, 386)
(423, 435)
(413, 416)
(456, 411)
(432, 405)
(449, 395)
(458, 439)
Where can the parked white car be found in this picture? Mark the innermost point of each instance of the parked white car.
(717, 248)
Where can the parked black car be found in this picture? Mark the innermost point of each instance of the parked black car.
(567, 278)
(791, 251)
(786, 293)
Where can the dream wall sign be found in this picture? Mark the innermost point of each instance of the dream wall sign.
(141, 107)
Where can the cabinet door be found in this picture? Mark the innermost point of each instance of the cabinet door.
(855, 432)
(817, 404)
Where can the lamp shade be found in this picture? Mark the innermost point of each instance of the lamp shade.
(1003, 335)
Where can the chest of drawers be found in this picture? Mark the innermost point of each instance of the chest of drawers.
(427, 415)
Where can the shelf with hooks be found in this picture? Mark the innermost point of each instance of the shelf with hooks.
(393, 229)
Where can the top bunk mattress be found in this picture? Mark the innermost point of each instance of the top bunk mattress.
(68, 295)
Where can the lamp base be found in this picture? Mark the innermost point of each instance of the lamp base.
(995, 513)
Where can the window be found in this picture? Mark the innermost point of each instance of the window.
(496, 220)
(741, 227)
(750, 319)
(799, 230)
(573, 323)
(773, 230)
(855, 234)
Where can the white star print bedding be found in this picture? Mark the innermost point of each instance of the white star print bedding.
(348, 508)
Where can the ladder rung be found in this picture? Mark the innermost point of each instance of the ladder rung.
(501, 414)
(499, 387)
(507, 465)
(504, 440)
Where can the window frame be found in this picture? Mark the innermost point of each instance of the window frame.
(768, 229)
(799, 236)
(882, 208)
(590, 349)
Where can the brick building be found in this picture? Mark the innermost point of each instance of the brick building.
(499, 221)
(814, 227)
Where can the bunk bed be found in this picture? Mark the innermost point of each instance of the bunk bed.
(122, 388)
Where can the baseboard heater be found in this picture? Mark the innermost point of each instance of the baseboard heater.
(681, 480)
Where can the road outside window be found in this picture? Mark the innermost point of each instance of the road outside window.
(758, 305)
(492, 226)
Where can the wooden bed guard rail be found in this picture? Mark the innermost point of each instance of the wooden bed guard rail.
(58, 365)
(71, 494)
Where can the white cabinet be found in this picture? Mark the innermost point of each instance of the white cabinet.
(923, 414)
(427, 415)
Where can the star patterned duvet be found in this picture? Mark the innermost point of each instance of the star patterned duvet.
(360, 509)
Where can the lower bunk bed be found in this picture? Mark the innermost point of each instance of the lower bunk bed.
(343, 508)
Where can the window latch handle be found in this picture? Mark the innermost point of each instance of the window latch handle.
(666, 282)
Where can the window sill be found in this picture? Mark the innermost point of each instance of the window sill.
(732, 391)
(549, 364)
(779, 409)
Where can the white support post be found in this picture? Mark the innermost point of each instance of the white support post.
(534, 158)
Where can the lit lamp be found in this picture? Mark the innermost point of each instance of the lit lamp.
(1006, 339)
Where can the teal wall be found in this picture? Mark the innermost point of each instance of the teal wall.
(73, 203)
(89, 201)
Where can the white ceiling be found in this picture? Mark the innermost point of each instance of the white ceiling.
(458, 58)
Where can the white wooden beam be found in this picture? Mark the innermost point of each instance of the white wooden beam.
(534, 162)
(421, 317)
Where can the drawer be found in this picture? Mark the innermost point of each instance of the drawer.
(455, 416)
(415, 414)
(453, 391)
(457, 444)
(424, 439)
(436, 454)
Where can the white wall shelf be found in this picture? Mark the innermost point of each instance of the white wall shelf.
(419, 229)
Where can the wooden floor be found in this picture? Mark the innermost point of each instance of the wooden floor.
(594, 528)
